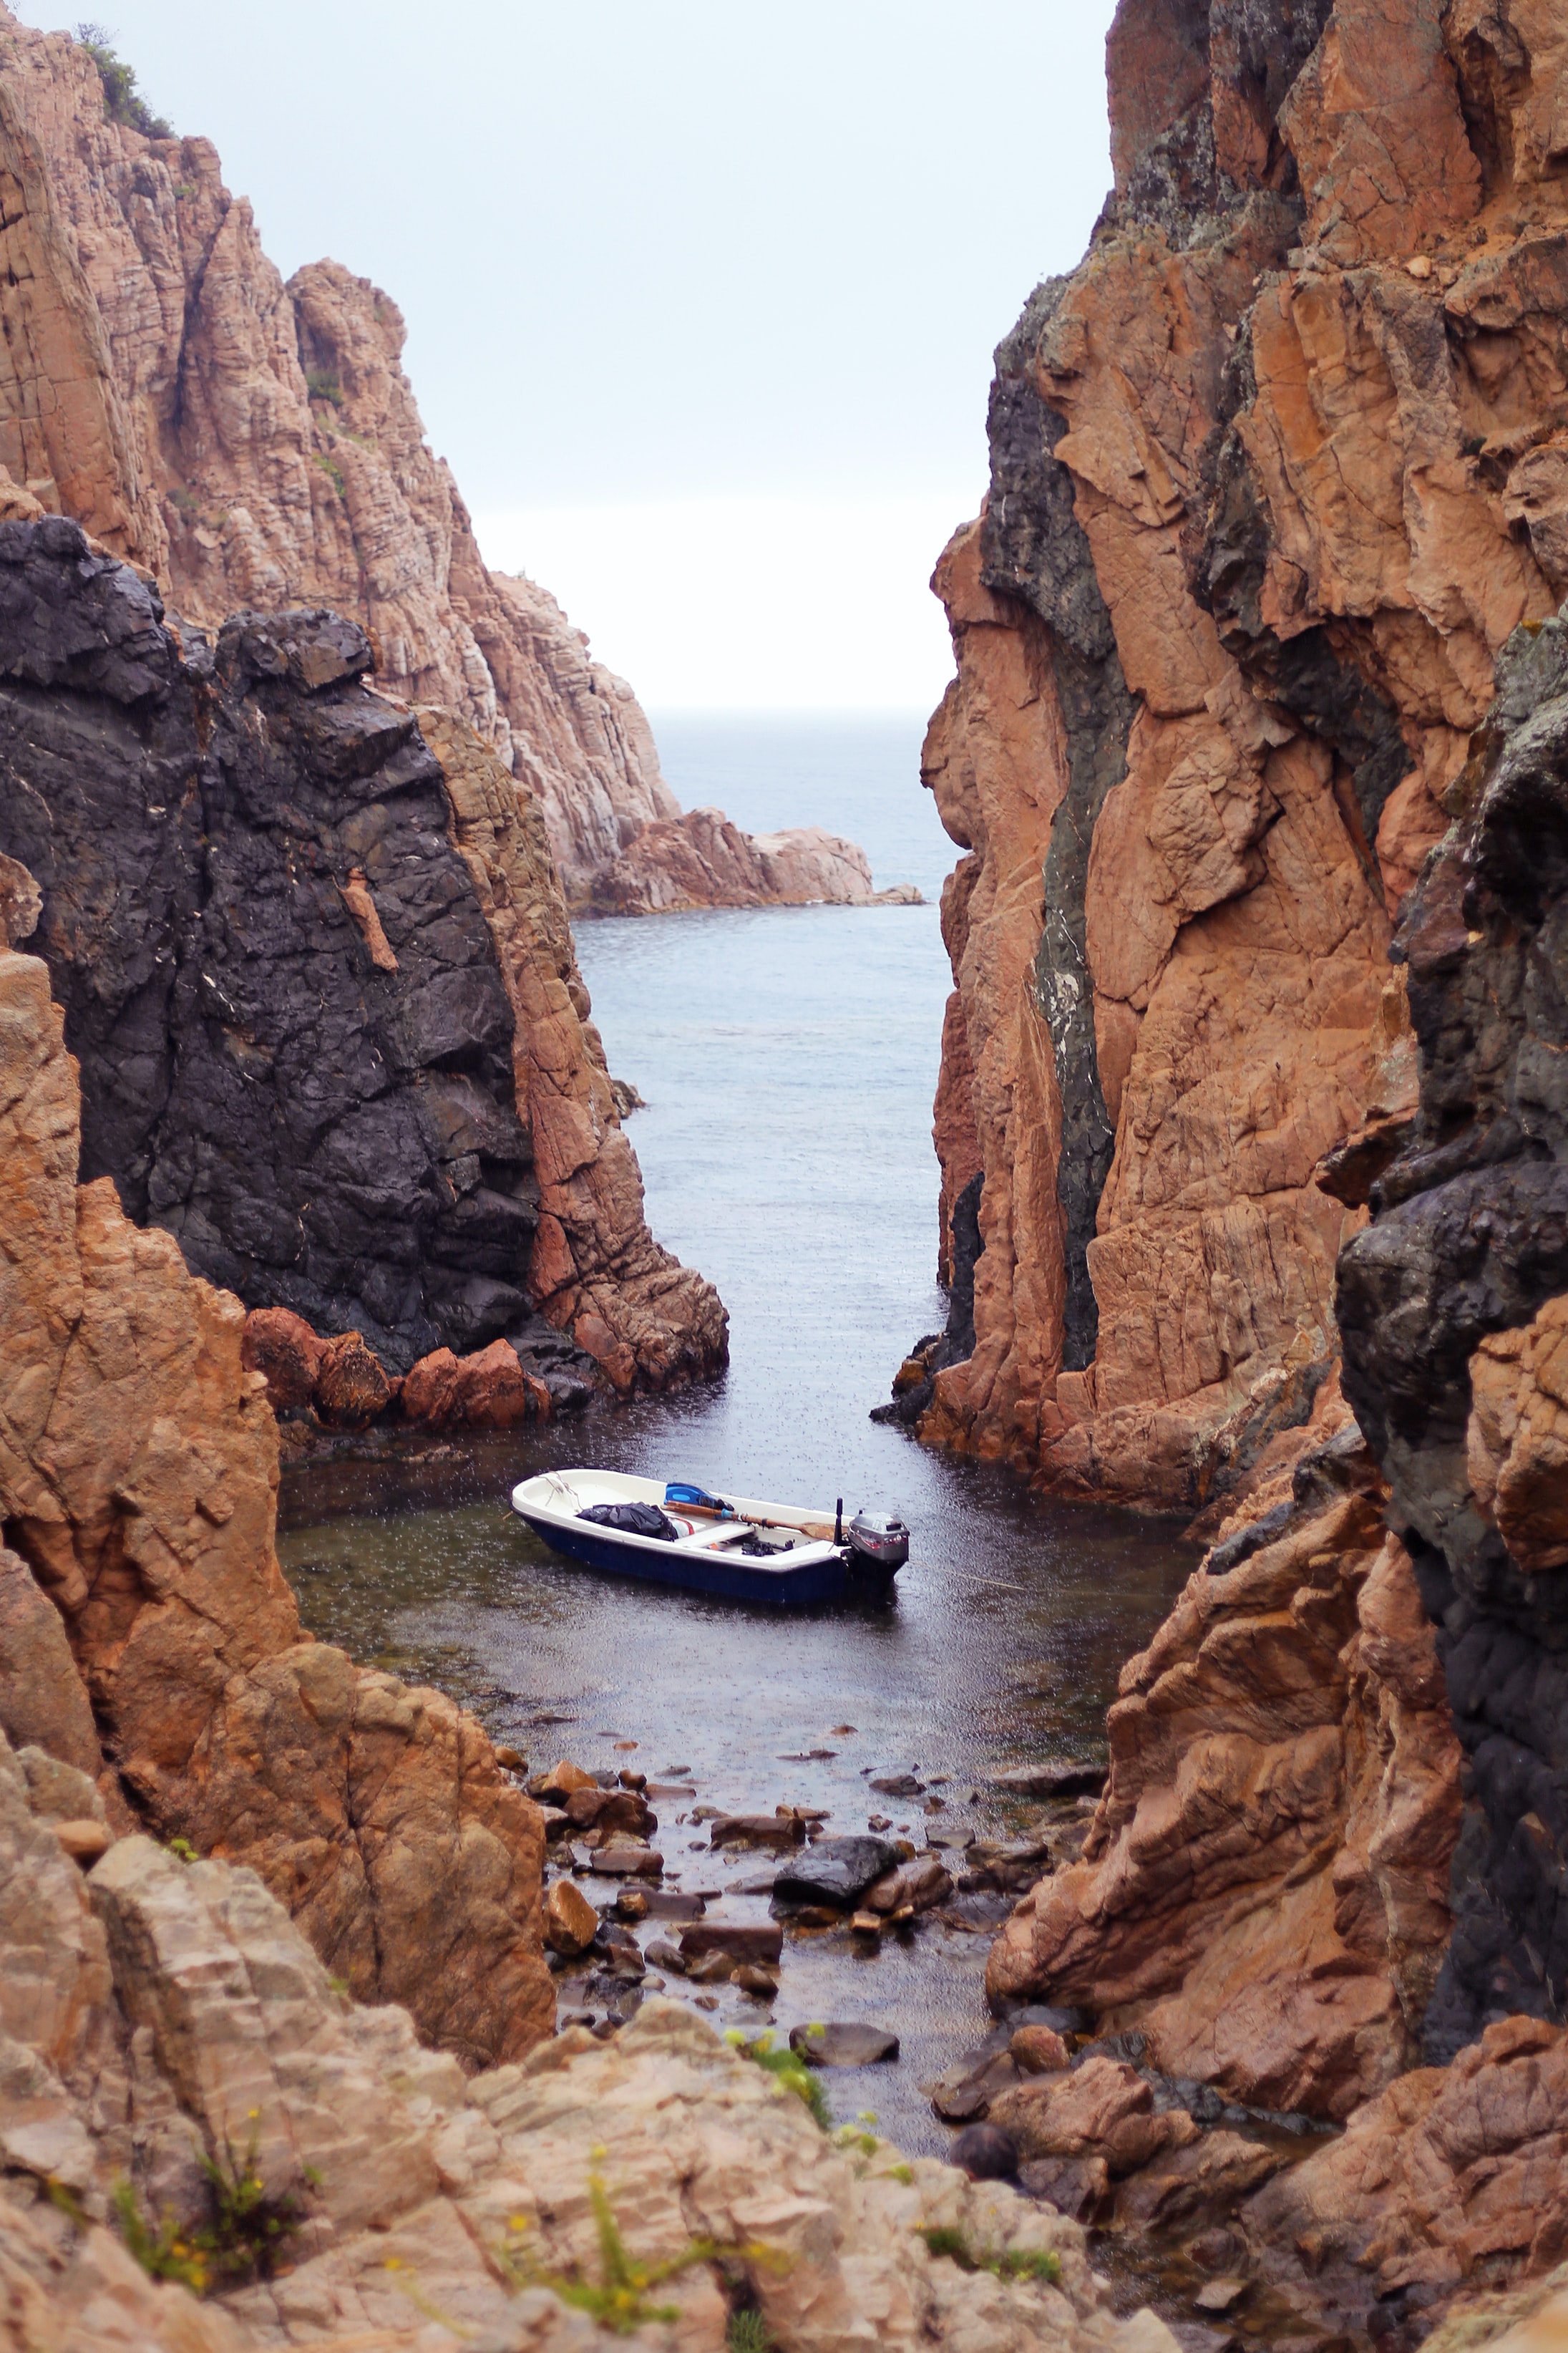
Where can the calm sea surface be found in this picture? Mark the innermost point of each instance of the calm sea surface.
(788, 1059)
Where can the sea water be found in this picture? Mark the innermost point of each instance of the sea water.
(788, 1059)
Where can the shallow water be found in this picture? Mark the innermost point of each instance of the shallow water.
(788, 1060)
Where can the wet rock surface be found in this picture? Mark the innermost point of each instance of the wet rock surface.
(834, 1871)
(843, 2045)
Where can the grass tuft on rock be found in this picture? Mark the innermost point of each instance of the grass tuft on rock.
(619, 2300)
(244, 2239)
(787, 2067)
(1013, 2263)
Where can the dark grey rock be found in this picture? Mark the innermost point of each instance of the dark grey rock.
(834, 1871)
(1247, 1541)
(849, 2045)
(671, 1903)
(1061, 1776)
(1034, 548)
(1469, 1236)
(316, 1132)
(986, 2152)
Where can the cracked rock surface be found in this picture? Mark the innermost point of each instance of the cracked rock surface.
(319, 978)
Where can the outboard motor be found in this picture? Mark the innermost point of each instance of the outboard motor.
(880, 1539)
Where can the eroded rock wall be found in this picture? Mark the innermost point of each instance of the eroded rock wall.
(138, 1491)
(318, 975)
(1274, 475)
(1328, 1865)
(1452, 1307)
(257, 446)
(1264, 1895)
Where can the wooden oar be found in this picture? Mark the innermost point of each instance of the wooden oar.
(812, 1529)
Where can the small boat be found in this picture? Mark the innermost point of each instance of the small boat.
(673, 1533)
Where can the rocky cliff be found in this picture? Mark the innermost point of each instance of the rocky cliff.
(318, 977)
(256, 446)
(1252, 1071)
(137, 1493)
(1327, 1869)
(1275, 473)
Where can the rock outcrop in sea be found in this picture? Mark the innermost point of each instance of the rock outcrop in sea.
(1274, 475)
(255, 446)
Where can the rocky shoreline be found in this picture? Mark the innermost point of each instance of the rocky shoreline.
(321, 2019)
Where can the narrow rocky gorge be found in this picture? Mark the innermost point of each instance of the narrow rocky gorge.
(256, 444)
(311, 2078)
(1252, 1127)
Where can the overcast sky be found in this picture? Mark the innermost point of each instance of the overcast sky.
(701, 298)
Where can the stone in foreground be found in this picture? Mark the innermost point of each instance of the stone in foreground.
(851, 2045)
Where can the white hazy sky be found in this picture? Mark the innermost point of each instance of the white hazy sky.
(700, 296)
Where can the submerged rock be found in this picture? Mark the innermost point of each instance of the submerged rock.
(986, 2153)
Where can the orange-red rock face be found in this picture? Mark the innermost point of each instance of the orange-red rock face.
(1264, 1892)
(138, 1479)
(1274, 474)
(1455, 2176)
(595, 1269)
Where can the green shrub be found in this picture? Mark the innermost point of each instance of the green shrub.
(748, 2333)
(620, 2299)
(248, 2233)
(788, 2067)
(169, 2253)
(123, 101)
(322, 385)
(334, 472)
(1014, 2263)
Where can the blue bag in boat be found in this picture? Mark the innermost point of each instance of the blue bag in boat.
(633, 1520)
(697, 1499)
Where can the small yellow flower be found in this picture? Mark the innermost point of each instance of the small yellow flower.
(393, 2263)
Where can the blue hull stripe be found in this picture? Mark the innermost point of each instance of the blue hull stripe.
(735, 1579)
